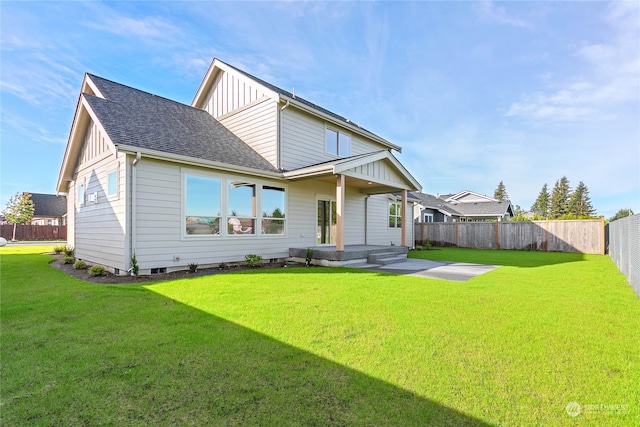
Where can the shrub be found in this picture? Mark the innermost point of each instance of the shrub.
(97, 270)
(427, 245)
(253, 260)
(68, 251)
(309, 257)
(59, 249)
(135, 269)
(193, 267)
(68, 260)
(80, 265)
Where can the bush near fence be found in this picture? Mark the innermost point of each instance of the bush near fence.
(624, 248)
(583, 236)
(34, 232)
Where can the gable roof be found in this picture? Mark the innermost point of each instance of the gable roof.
(466, 194)
(49, 205)
(140, 120)
(293, 99)
(448, 205)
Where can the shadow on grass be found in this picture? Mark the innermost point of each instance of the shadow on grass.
(77, 353)
(523, 259)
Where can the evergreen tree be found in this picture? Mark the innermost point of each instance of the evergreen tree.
(580, 202)
(501, 192)
(19, 210)
(622, 213)
(541, 206)
(560, 195)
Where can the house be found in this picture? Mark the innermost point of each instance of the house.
(49, 209)
(247, 168)
(465, 206)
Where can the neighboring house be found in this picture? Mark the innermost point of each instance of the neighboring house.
(49, 209)
(465, 206)
(247, 168)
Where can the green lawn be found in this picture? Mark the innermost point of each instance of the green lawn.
(323, 346)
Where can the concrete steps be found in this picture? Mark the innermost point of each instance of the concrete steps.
(384, 258)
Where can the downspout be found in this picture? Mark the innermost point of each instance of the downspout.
(366, 219)
(134, 202)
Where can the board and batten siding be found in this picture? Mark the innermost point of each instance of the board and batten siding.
(381, 170)
(303, 140)
(256, 124)
(97, 226)
(231, 92)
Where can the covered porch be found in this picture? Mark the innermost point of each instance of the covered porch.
(361, 176)
(330, 256)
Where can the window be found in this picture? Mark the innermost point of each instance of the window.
(80, 194)
(427, 217)
(241, 208)
(395, 215)
(202, 205)
(112, 184)
(273, 210)
(337, 143)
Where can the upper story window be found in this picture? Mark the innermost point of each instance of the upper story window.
(202, 205)
(337, 143)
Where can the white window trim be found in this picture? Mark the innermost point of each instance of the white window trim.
(224, 207)
(338, 131)
(117, 193)
(398, 204)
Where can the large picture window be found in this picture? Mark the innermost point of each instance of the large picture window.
(202, 205)
(337, 143)
(242, 208)
(273, 210)
(395, 215)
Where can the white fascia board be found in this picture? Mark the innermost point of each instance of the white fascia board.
(177, 158)
(352, 127)
(76, 138)
(209, 79)
(88, 82)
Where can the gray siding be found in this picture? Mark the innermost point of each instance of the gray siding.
(303, 140)
(97, 229)
(232, 91)
(159, 221)
(256, 124)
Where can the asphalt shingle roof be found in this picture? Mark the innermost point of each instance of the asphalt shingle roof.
(140, 119)
(488, 208)
(49, 205)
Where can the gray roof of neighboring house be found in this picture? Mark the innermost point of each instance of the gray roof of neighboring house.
(433, 202)
(488, 208)
(142, 120)
(49, 205)
(301, 100)
(483, 208)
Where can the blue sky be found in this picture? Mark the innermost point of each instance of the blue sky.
(474, 92)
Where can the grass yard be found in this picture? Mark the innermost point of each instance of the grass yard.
(323, 347)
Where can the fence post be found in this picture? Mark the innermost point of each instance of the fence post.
(546, 236)
(602, 237)
(497, 234)
(457, 243)
(422, 234)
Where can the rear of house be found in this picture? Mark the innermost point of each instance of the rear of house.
(246, 169)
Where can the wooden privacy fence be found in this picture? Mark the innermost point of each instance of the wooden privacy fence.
(34, 232)
(584, 236)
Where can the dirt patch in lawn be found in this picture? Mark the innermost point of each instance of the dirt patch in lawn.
(110, 278)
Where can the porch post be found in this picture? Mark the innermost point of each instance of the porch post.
(340, 183)
(403, 240)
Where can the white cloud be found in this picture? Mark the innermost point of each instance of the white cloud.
(610, 76)
(491, 12)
